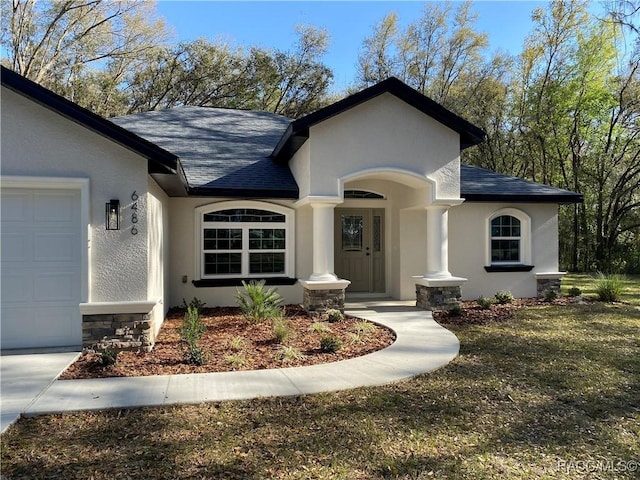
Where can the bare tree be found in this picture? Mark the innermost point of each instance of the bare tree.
(64, 42)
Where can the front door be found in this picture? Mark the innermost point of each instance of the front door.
(359, 252)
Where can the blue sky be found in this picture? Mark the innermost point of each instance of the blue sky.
(271, 24)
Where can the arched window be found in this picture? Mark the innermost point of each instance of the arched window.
(245, 240)
(362, 194)
(506, 240)
(509, 238)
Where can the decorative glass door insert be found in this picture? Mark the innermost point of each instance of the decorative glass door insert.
(352, 226)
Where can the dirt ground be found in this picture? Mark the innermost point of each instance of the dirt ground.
(472, 314)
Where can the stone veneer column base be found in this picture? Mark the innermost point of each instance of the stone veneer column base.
(548, 282)
(320, 296)
(438, 294)
(118, 326)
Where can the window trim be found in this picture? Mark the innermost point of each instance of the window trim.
(288, 225)
(525, 240)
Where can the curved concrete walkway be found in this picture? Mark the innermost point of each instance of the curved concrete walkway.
(421, 346)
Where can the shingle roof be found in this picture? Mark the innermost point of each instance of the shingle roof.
(231, 152)
(223, 152)
(226, 152)
(481, 185)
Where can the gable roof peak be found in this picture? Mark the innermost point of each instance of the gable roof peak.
(298, 130)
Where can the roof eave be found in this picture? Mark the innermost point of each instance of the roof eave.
(282, 148)
(244, 193)
(472, 142)
(160, 159)
(561, 199)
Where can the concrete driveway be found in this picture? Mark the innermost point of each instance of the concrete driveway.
(24, 376)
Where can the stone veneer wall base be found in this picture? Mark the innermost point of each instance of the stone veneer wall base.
(121, 331)
(319, 301)
(546, 285)
(437, 298)
(547, 282)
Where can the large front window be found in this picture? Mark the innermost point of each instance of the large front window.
(245, 242)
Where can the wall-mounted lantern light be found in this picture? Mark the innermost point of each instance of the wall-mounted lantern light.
(112, 215)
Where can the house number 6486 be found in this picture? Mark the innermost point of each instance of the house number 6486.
(134, 213)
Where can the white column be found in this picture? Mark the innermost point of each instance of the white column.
(323, 222)
(437, 242)
(438, 288)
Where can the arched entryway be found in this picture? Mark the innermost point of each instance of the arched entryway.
(382, 211)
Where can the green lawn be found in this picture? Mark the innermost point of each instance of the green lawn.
(586, 283)
(553, 394)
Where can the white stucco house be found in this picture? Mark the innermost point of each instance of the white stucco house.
(108, 223)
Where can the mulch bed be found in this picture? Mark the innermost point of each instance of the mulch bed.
(259, 349)
(472, 314)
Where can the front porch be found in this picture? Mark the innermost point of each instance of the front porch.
(385, 235)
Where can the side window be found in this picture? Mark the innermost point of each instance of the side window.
(505, 240)
(245, 242)
(509, 238)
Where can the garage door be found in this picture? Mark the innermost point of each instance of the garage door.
(41, 268)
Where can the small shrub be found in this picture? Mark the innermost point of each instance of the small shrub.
(550, 296)
(320, 327)
(609, 288)
(455, 310)
(107, 357)
(364, 327)
(195, 355)
(355, 337)
(574, 292)
(194, 303)
(484, 302)
(289, 354)
(238, 343)
(191, 332)
(281, 331)
(237, 360)
(192, 327)
(330, 344)
(334, 315)
(503, 297)
(259, 303)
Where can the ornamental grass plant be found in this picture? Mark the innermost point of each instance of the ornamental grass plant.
(259, 303)
(609, 287)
